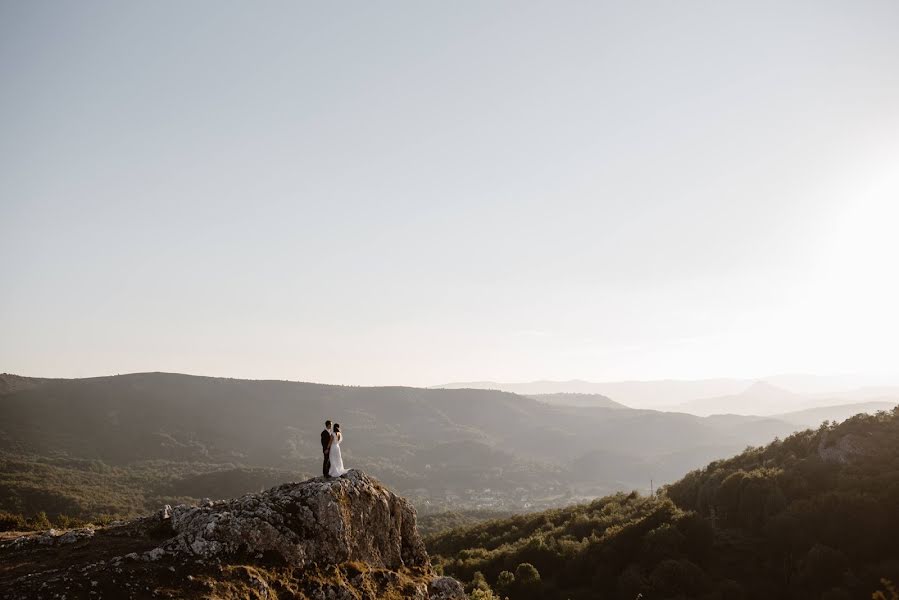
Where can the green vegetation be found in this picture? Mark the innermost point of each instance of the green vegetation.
(433, 523)
(812, 516)
(73, 491)
(120, 444)
(606, 548)
(113, 444)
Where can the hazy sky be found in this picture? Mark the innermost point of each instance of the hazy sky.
(421, 192)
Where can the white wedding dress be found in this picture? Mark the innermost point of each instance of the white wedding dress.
(335, 457)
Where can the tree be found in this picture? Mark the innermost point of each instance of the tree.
(631, 583)
(822, 566)
(505, 582)
(40, 521)
(478, 582)
(527, 582)
(678, 577)
(662, 542)
(12, 522)
(527, 574)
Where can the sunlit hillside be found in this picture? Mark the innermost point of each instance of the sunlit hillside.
(811, 516)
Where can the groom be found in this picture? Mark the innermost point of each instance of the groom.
(326, 447)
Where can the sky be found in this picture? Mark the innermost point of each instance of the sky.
(422, 192)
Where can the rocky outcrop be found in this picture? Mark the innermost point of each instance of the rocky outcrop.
(351, 518)
(52, 537)
(348, 537)
(446, 588)
(844, 449)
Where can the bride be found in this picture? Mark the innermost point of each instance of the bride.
(334, 454)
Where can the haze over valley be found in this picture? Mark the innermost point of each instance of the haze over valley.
(119, 445)
(761, 397)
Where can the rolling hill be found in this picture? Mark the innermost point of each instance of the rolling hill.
(126, 444)
(637, 394)
(769, 396)
(807, 517)
(573, 399)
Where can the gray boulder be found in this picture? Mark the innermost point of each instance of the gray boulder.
(446, 588)
(322, 521)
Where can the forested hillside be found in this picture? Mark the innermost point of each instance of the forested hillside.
(815, 515)
(127, 444)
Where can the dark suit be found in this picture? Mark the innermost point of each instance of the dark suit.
(326, 440)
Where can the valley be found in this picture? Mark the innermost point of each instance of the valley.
(108, 447)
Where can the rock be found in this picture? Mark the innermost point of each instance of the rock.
(348, 537)
(446, 588)
(51, 537)
(844, 450)
(154, 554)
(75, 535)
(327, 522)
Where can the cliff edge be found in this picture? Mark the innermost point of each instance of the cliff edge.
(344, 538)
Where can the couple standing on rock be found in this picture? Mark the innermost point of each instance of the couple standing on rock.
(333, 463)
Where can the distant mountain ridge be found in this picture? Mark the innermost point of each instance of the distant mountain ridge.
(122, 443)
(767, 396)
(13, 383)
(760, 398)
(812, 417)
(575, 399)
(637, 394)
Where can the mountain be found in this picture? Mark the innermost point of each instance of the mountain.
(573, 399)
(637, 394)
(812, 417)
(768, 396)
(760, 398)
(122, 445)
(348, 537)
(808, 517)
(763, 398)
(830, 385)
(13, 383)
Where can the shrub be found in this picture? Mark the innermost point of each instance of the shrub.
(12, 522)
(39, 522)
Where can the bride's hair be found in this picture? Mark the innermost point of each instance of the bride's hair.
(336, 427)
